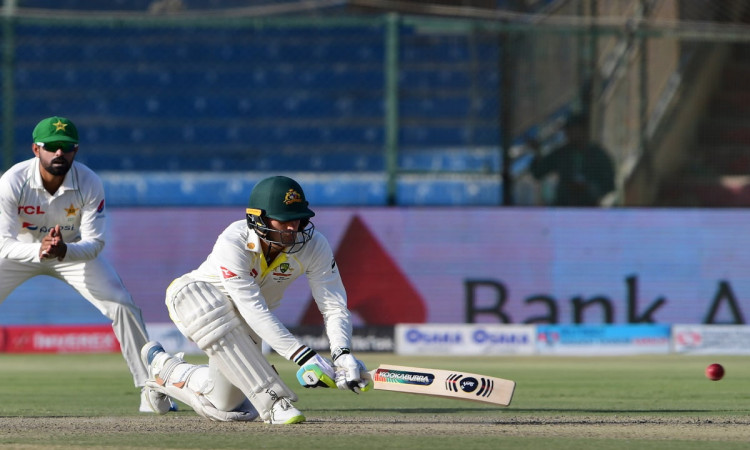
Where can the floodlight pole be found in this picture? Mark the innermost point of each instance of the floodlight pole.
(391, 108)
(505, 121)
(9, 10)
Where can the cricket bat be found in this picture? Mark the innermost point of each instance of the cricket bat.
(443, 383)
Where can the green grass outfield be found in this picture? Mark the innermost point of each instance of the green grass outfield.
(643, 402)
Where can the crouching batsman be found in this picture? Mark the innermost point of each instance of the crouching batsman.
(226, 304)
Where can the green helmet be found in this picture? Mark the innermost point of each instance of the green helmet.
(280, 198)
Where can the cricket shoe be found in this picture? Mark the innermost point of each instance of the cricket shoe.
(284, 413)
(154, 356)
(155, 402)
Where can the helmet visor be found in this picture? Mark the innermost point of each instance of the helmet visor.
(285, 240)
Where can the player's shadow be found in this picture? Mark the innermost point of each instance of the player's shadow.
(445, 410)
(511, 410)
(609, 411)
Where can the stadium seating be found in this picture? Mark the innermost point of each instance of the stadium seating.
(211, 100)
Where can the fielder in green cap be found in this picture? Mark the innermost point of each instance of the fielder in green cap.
(226, 307)
(52, 222)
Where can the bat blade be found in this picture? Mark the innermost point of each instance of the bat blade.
(443, 383)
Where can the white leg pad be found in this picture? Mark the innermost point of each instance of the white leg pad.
(208, 318)
(179, 374)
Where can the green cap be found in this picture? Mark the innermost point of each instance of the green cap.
(280, 198)
(55, 129)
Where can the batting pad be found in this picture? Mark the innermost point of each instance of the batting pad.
(212, 322)
(180, 390)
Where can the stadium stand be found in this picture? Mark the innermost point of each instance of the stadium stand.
(215, 100)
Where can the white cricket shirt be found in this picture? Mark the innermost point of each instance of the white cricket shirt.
(237, 267)
(28, 212)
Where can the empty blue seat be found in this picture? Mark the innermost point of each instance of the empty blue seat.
(264, 99)
(455, 191)
(231, 188)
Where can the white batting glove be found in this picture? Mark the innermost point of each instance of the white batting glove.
(349, 371)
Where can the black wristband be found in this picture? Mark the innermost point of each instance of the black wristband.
(338, 351)
(303, 355)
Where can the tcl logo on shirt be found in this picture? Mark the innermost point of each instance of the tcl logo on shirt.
(30, 210)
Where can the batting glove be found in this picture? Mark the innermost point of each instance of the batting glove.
(349, 371)
(316, 372)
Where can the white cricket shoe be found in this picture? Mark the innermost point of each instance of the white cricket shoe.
(283, 413)
(154, 355)
(155, 402)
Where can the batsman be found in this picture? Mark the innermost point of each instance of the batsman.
(225, 306)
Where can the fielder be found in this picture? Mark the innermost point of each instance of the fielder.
(52, 222)
(225, 307)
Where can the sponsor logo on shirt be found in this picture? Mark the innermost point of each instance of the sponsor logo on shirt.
(30, 210)
(227, 274)
(45, 229)
(100, 208)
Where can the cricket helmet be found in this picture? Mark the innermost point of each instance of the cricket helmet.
(280, 198)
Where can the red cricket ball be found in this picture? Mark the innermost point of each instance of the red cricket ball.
(715, 372)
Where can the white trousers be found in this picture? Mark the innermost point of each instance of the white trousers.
(98, 283)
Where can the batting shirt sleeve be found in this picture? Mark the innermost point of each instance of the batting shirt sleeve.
(328, 291)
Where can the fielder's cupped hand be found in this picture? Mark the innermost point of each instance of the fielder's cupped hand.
(350, 372)
(53, 245)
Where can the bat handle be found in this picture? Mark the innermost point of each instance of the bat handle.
(370, 383)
